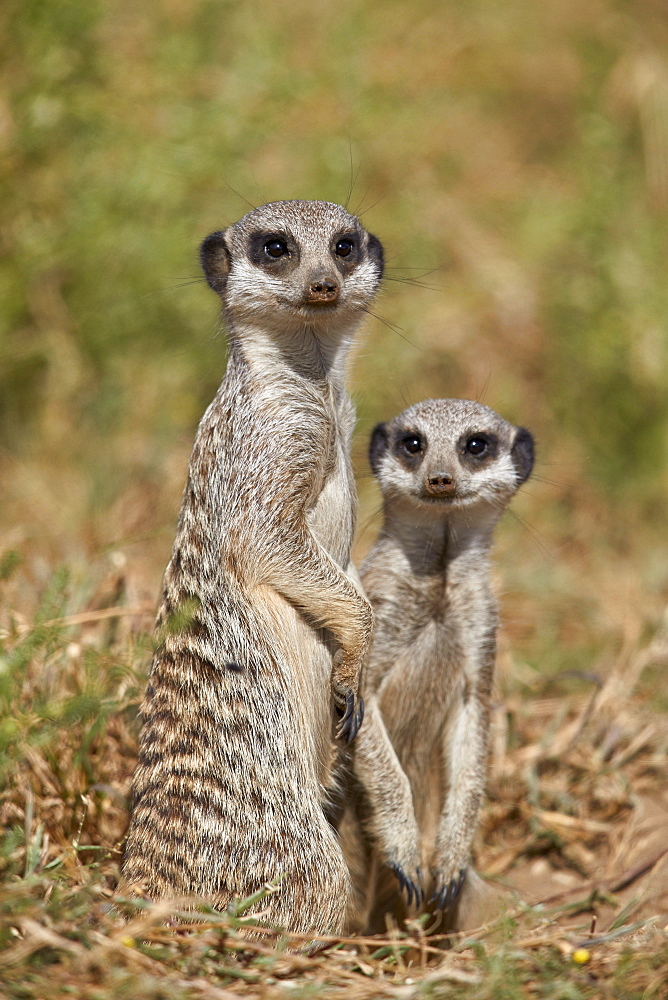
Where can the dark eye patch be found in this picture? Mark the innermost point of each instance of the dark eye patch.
(409, 447)
(478, 447)
(271, 249)
(345, 249)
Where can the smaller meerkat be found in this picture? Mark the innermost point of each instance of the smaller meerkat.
(447, 468)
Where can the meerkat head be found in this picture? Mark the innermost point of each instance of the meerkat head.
(451, 454)
(309, 261)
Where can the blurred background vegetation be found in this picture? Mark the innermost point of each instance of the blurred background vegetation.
(512, 157)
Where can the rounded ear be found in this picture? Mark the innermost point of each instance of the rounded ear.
(378, 446)
(375, 248)
(215, 260)
(522, 454)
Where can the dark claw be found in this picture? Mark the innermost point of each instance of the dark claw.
(438, 899)
(404, 882)
(444, 897)
(356, 721)
(348, 710)
(414, 891)
(420, 885)
(351, 720)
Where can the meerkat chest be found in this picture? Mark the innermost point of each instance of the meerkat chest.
(430, 666)
(332, 516)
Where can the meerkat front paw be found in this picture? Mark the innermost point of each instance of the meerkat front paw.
(410, 881)
(448, 887)
(351, 709)
(349, 704)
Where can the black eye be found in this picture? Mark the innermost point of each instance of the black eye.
(275, 248)
(412, 443)
(344, 247)
(476, 445)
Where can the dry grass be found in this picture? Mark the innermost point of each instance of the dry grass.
(573, 836)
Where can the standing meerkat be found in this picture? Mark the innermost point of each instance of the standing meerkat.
(447, 468)
(235, 748)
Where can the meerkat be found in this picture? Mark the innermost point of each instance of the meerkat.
(236, 742)
(447, 468)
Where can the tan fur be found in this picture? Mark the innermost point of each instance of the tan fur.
(418, 766)
(235, 748)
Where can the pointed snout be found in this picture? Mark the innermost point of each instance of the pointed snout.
(439, 484)
(322, 288)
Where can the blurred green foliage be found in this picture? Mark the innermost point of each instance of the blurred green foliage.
(513, 158)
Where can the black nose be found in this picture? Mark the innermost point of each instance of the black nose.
(322, 290)
(440, 483)
(325, 287)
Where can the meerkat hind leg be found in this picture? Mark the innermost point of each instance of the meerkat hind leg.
(391, 816)
(465, 750)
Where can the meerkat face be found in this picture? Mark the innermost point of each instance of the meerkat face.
(451, 453)
(305, 260)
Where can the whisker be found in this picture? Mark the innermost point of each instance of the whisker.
(181, 283)
(425, 272)
(217, 334)
(539, 542)
(409, 267)
(483, 392)
(262, 196)
(413, 281)
(375, 518)
(354, 174)
(405, 398)
(373, 205)
(537, 478)
(240, 196)
(393, 327)
(366, 474)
